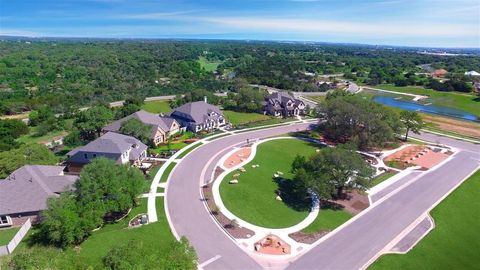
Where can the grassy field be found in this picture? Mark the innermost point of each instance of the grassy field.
(462, 101)
(377, 180)
(454, 243)
(30, 138)
(240, 118)
(167, 172)
(328, 219)
(207, 65)
(253, 199)
(155, 236)
(316, 98)
(6, 235)
(157, 106)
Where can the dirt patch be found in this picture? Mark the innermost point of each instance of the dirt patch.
(462, 127)
(217, 172)
(419, 155)
(308, 238)
(237, 157)
(230, 226)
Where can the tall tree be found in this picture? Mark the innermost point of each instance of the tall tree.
(91, 121)
(412, 122)
(134, 127)
(25, 154)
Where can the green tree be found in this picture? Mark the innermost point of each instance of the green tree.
(61, 224)
(73, 139)
(91, 121)
(412, 122)
(34, 153)
(9, 131)
(134, 127)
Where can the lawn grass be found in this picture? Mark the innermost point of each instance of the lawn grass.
(328, 220)
(157, 106)
(241, 118)
(31, 138)
(382, 177)
(253, 199)
(272, 121)
(462, 101)
(167, 172)
(207, 65)
(155, 236)
(6, 235)
(454, 243)
(316, 98)
(164, 147)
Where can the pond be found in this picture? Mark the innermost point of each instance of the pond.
(433, 109)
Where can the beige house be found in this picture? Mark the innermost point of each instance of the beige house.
(162, 126)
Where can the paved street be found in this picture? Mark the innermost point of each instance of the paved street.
(350, 248)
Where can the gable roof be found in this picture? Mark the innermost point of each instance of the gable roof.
(197, 112)
(151, 119)
(28, 188)
(110, 145)
(282, 98)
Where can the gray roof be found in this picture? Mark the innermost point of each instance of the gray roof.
(152, 119)
(282, 98)
(197, 112)
(352, 88)
(110, 145)
(28, 188)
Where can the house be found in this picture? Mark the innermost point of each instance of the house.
(198, 116)
(439, 73)
(24, 193)
(472, 73)
(352, 88)
(121, 148)
(282, 104)
(162, 126)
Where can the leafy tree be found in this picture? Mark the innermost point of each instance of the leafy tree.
(73, 139)
(43, 114)
(352, 118)
(332, 170)
(91, 121)
(61, 224)
(137, 129)
(25, 154)
(246, 100)
(9, 131)
(412, 122)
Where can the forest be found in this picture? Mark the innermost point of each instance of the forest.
(66, 75)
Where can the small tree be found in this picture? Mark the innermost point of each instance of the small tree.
(412, 122)
(134, 127)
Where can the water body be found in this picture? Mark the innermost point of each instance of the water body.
(433, 109)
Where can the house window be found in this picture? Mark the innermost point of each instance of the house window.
(94, 155)
(85, 156)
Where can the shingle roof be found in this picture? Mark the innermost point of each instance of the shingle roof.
(28, 188)
(197, 112)
(110, 145)
(152, 119)
(282, 98)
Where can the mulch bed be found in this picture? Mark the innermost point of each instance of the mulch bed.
(233, 230)
(115, 217)
(217, 173)
(308, 238)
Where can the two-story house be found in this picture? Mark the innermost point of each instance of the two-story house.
(282, 104)
(198, 116)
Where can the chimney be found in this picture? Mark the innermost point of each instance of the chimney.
(205, 99)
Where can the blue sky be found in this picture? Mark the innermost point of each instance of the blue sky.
(435, 23)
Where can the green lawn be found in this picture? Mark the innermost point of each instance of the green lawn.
(328, 219)
(377, 180)
(462, 101)
(253, 199)
(271, 121)
(157, 106)
(316, 98)
(454, 243)
(155, 236)
(164, 147)
(6, 235)
(167, 172)
(207, 65)
(241, 118)
(30, 138)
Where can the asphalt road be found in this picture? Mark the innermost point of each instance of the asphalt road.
(350, 248)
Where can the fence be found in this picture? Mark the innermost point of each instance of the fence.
(8, 249)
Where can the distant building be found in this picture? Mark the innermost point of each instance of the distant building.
(162, 126)
(24, 193)
(352, 88)
(282, 104)
(472, 73)
(121, 148)
(198, 116)
(439, 73)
